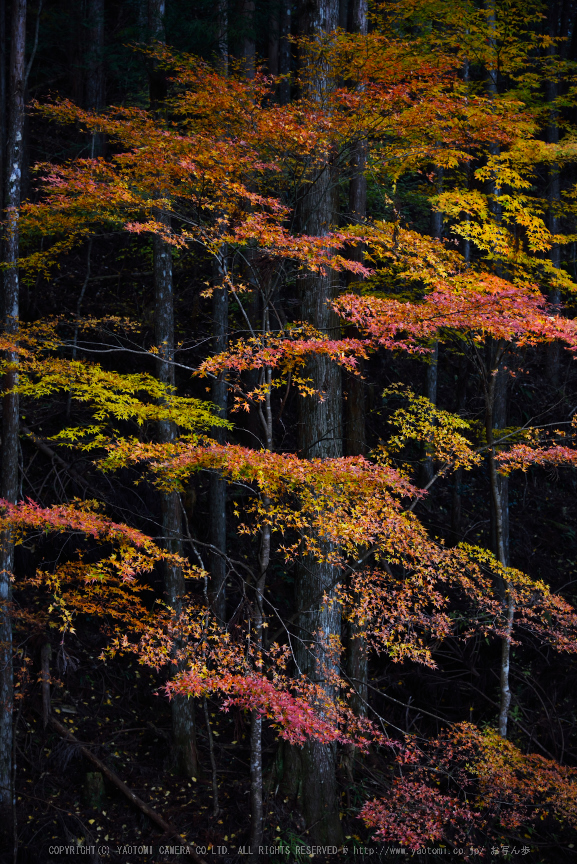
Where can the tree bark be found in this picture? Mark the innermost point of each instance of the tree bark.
(184, 752)
(495, 417)
(156, 76)
(320, 436)
(433, 364)
(554, 191)
(95, 81)
(11, 413)
(248, 39)
(355, 18)
(355, 404)
(432, 380)
(222, 36)
(273, 39)
(217, 487)
(256, 767)
(284, 58)
(460, 402)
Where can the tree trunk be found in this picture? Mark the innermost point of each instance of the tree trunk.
(10, 406)
(320, 436)
(256, 776)
(273, 39)
(284, 57)
(95, 81)
(433, 364)
(495, 416)
(222, 36)
(217, 484)
(432, 379)
(460, 402)
(217, 488)
(156, 76)
(3, 112)
(248, 39)
(184, 753)
(355, 19)
(554, 191)
(500, 422)
(355, 402)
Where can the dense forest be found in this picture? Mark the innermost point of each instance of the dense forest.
(289, 422)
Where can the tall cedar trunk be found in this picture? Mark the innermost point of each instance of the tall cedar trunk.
(217, 488)
(184, 754)
(320, 436)
(95, 81)
(273, 39)
(10, 407)
(355, 411)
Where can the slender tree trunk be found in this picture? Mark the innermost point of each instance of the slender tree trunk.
(256, 775)
(495, 417)
(554, 191)
(355, 18)
(355, 404)
(499, 420)
(456, 504)
(95, 81)
(495, 406)
(432, 380)
(217, 484)
(10, 407)
(215, 805)
(433, 364)
(222, 36)
(217, 487)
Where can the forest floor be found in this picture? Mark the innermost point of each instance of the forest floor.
(117, 709)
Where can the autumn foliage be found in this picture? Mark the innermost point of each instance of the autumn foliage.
(208, 175)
